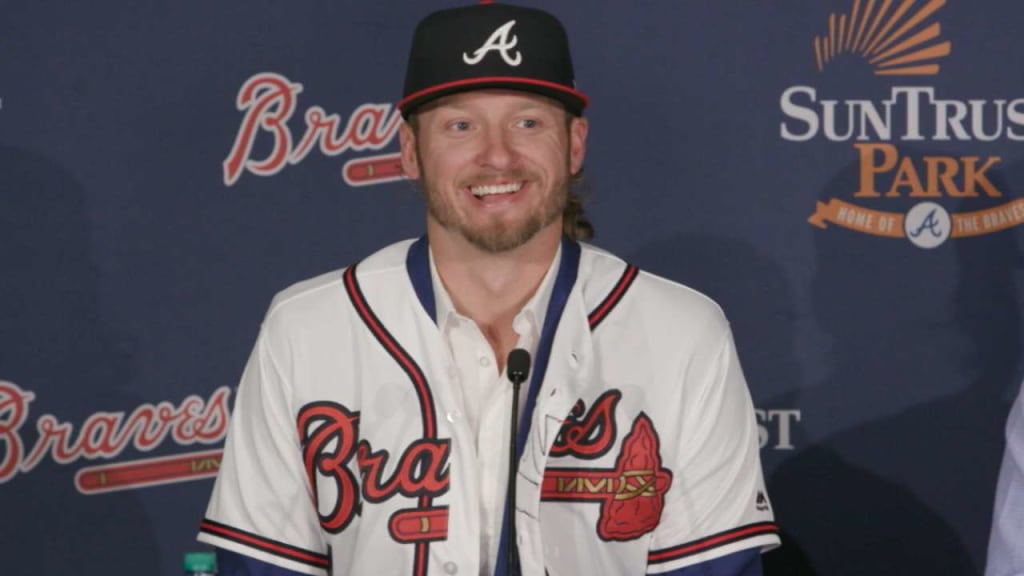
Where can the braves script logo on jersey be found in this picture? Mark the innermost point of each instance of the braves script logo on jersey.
(105, 435)
(499, 42)
(330, 441)
(588, 435)
(632, 494)
(903, 193)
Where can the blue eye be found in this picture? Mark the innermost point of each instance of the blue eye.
(459, 126)
(528, 123)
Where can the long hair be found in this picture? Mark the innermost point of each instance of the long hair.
(575, 223)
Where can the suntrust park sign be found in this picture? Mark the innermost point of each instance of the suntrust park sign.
(904, 41)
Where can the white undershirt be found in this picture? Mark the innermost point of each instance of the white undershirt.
(485, 395)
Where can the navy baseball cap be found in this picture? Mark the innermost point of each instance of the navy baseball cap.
(490, 46)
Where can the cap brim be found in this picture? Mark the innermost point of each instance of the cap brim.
(573, 100)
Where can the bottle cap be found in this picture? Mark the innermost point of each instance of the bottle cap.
(200, 562)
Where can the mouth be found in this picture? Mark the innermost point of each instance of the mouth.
(481, 191)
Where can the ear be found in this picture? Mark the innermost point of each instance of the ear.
(407, 140)
(577, 144)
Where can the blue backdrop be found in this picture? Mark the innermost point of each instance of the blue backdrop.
(845, 177)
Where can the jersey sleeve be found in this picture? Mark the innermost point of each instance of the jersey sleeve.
(743, 563)
(717, 504)
(262, 504)
(1006, 546)
(233, 564)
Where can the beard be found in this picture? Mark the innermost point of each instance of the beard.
(498, 234)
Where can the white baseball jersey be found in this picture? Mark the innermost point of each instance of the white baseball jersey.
(346, 454)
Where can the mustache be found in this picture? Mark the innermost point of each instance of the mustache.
(489, 177)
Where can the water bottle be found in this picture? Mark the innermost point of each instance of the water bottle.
(200, 564)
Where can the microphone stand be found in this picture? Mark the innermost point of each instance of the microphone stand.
(518, 368)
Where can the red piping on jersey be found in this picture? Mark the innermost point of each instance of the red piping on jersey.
(395, 350)
(713, 541)
(266, 545)
(419, 381)
(613, 298)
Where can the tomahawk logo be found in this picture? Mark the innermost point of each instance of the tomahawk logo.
(631, 495)
(500, 42)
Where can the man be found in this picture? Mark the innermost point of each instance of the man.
(372, 427)
(1006, 546)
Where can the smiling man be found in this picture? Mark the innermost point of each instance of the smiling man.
(377, 431)
(500, 163)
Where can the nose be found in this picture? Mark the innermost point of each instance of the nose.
(497, 151)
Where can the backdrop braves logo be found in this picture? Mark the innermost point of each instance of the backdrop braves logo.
(106, 435)
(269, 100)
(632, 494)
(905, 41)
(330, 440)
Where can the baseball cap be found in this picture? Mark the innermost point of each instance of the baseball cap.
(490, 46)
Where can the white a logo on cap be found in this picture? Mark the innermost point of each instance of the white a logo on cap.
(499, 41)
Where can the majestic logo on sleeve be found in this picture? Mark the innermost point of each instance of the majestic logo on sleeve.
(632, 494)
(330, 441)
(898, 192)
(500, 42)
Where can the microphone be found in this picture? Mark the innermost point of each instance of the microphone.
(518, 366)
(518, 369)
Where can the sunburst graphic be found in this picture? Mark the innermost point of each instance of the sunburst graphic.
(899, 42)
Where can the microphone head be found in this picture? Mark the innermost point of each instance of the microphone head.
(518, 365)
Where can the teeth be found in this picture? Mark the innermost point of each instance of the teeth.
(488, 190)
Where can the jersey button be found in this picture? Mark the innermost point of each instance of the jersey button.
(451, 567)
(454, 415)
(485, 361)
